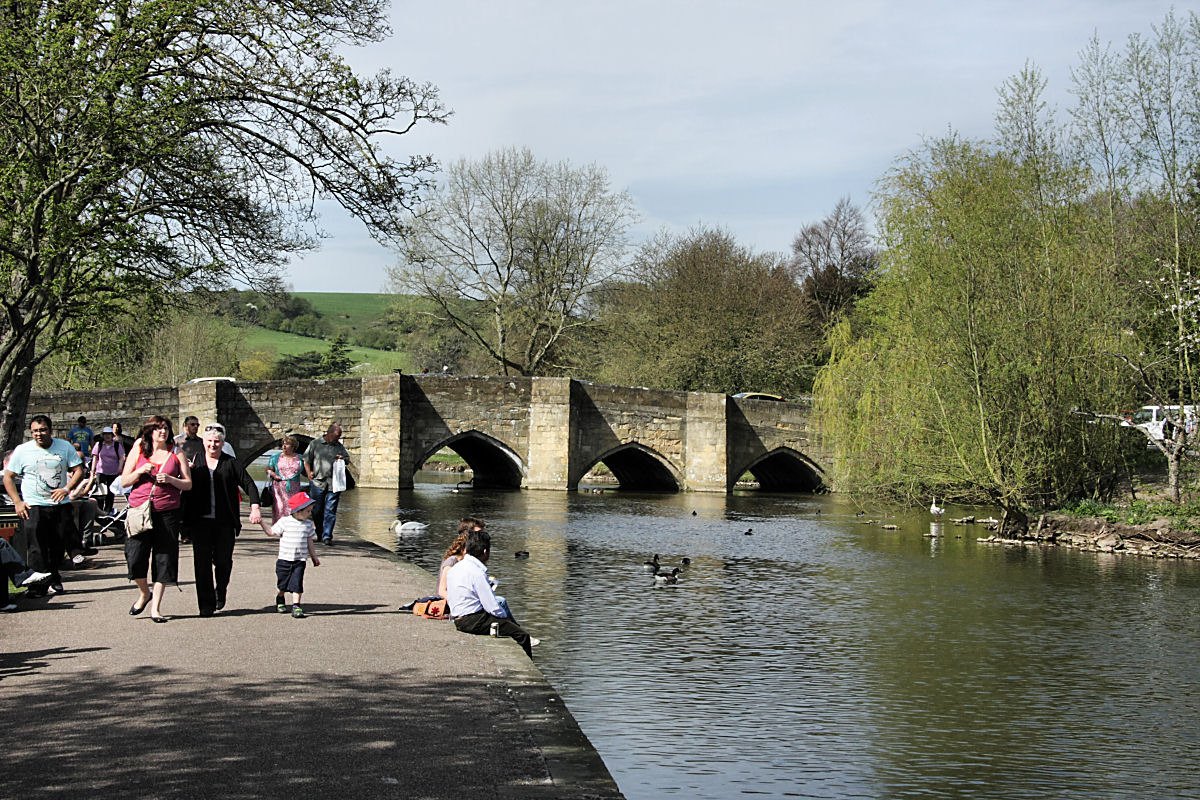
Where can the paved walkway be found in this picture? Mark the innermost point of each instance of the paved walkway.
(355, 701)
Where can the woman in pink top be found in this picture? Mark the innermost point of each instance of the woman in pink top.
(108, 460)
(159, 477)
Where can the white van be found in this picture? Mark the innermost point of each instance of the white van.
(1152, 419)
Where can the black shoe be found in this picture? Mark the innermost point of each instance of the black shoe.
(57, 588)
(220, 603)
(327, 541)
(159, 619)
(89, 551)
(134, 610)
(207, 612)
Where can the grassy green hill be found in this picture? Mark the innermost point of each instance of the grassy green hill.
(288, 344)
(346, 310)
(354, 312)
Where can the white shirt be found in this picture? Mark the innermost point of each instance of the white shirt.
(293, 537)
(468, 590)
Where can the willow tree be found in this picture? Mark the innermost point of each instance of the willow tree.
(152, 145)
(988, 326)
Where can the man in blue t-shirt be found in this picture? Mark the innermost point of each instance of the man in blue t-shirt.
(49, 469)
(82, 435)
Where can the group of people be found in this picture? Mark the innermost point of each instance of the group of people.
(192, 486)
(469, 591)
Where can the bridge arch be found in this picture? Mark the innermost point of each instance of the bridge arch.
(636, 466)
(784, 470)
(248, 457)
(495, 464)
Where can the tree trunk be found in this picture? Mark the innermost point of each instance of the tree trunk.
(1174, 456)
(14, 401)
(1014, 523)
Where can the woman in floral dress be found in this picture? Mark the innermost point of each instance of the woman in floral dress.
(285, 470)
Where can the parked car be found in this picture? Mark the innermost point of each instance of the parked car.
(1152, 419)
(758, 396)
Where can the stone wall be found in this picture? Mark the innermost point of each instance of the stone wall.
(257, 414)
(605, 418)
(102, 407)
(514, 432)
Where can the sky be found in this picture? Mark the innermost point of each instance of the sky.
(756, 116)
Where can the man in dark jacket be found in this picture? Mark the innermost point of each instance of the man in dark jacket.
(213, 518)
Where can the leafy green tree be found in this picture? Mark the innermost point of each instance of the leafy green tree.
(156, 144)
(510, 249)
(309, 364)
(336, 361)
(1138, 124)
(707, 314)
(989, 326)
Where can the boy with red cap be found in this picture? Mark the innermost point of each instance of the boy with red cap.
(296, 533)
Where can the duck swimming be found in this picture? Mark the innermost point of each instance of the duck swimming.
(662, 578)
(652, 565)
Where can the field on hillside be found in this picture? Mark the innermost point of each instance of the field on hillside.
(288, 344)
(347, 310)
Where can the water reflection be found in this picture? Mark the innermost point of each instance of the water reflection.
(825, 656)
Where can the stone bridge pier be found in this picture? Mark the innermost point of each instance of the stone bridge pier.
(536, 433)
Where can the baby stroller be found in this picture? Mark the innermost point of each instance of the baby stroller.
(113, 523)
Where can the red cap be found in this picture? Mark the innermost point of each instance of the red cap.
(298, 501)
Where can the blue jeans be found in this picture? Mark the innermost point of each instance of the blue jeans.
(324, 511)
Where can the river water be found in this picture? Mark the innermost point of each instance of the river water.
(823, 656)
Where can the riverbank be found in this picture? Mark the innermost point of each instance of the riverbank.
(355, 700)
(1160, 538)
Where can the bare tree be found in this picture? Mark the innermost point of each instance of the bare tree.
(509, 250)
(833, 259)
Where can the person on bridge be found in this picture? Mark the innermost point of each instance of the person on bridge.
(189, 442)
(49, 469)
(82, 435)
(319, 464)
(213, 518)
(473, 604)
(284, 471)
(108, 458)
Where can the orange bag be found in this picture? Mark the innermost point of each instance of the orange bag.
(432, 609)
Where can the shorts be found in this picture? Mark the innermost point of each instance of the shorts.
(289, 576)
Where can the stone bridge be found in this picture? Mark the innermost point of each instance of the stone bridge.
(536, 433)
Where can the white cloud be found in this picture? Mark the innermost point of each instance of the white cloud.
(756, 116)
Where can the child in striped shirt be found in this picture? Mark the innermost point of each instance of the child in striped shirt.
(296, 533)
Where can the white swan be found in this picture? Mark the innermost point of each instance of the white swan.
(408, 527)
(935, 509)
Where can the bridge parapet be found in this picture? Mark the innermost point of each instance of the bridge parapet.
(544, 433)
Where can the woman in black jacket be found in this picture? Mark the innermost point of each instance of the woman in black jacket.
(213, 517)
